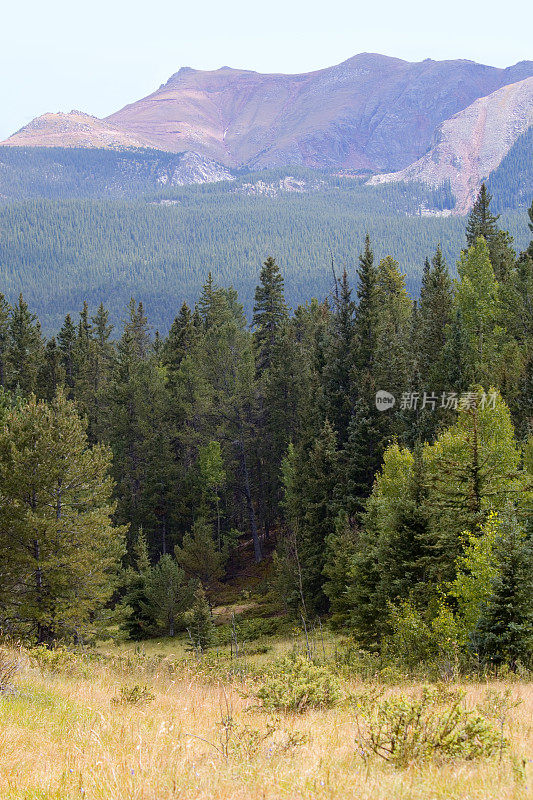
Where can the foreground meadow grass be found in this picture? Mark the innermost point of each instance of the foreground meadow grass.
(63, 735)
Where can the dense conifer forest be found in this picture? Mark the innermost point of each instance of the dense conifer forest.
(84, 225)
(374, 451)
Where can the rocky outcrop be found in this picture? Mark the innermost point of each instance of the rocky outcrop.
(193, 168)
(471, 144)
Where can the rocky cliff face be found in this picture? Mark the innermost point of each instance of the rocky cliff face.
(371, 112)
(471, 144)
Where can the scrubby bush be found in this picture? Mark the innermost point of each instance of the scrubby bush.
(52, 659)
(295, 683)
(432, 724)
(133, 696)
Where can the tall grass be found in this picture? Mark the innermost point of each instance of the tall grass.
(63, 735)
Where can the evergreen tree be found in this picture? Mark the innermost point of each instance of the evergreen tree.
(59, 550)
(504, 634)
(481, 221)
(270, 313)
(5, 311)
(168, 595)
(199, 556)
(338, 373)
(178, 343)
(309, 480)
(66, 340)
(367, 310)
(477, 300)
(25, 349)
(434, 315)
(199, 622)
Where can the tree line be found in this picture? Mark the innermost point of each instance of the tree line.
(133, 470)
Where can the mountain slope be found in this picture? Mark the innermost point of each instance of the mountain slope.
(74, 129)
(371, 112)
(472, 143)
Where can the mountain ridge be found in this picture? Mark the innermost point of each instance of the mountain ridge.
(370, 111)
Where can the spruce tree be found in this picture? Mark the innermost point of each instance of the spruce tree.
(25, 349)
(504, 634)
(270, 313)
(367, 310)
(338, 373)
(66, 340)
(481, 221)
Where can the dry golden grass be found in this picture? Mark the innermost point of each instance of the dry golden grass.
(63, 737)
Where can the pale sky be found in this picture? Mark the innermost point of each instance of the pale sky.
(56, 55)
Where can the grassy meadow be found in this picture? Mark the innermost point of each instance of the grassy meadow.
(155, 722)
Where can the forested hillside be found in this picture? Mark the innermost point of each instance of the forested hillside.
(511, 183)
(62, 253)
(383, 448)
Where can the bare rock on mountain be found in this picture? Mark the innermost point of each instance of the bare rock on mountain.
(74, 129)
(193, 168)
(471, 144)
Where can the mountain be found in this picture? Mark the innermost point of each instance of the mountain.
(74, 129)
(371, 112)
(472, 144)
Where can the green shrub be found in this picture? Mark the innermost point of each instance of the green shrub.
(433, 724)
(54, 660)
(296, 684)
(133, 696)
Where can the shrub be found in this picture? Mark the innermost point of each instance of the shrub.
(433, 724)
(54, 660)
(296, 684)
(133, 696)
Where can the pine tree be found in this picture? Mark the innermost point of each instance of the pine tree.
(178, 343)
(199, 556)
(504, 634)
(434, 315)
(25, 349)
(338, 373)
(270, 313)
(477, 300)
(59, 550)
(66, 340)
(310, 479)
(391, 369)
(481, 221)
(168, 595)
(367, 310)
(341, 547)
(199, 622)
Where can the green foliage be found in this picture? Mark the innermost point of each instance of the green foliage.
(433, 725)
(133, 696)
(168, 595)
(59, 549)
(295, 684)
(199, 622)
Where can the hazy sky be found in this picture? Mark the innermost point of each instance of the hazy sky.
(97, 56)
